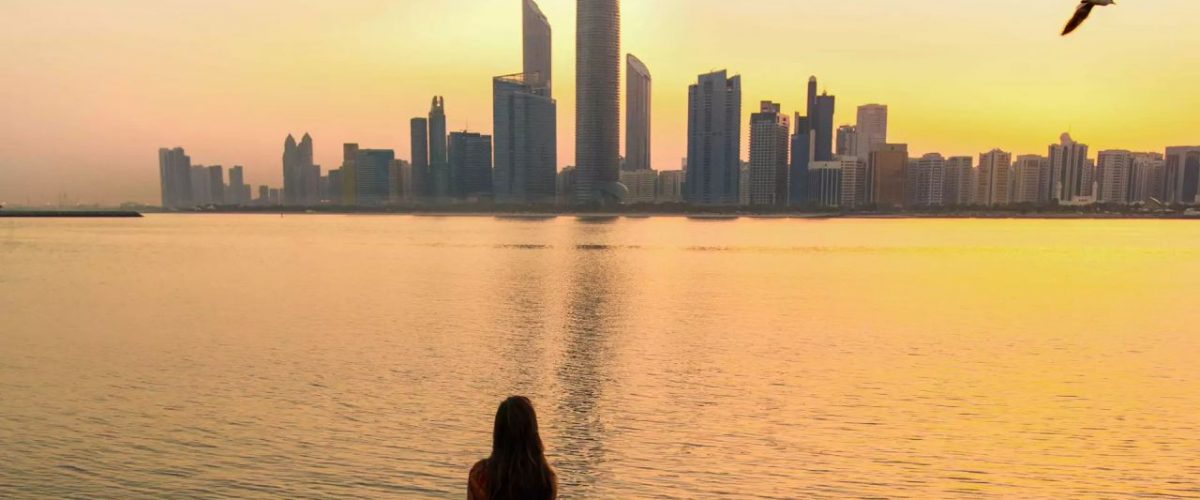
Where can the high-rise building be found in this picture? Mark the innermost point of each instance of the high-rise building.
(991, 188)
(871, 129)
(239, 192)
(372, 176)
(642, 185)
(175, 178)
(821, 121)
(802, 141)
(810, 104)
(536, 47)
(854, 182)
(526, 141)
(439, 168)
(1030, 180)
(926, 180)
(216, 184)
(958, 188)
(637, 114)
(847, 141)
(1068, 165)
(201, 186)
(264, 195)
(1181, 175)
(471, 165)
(597, 102)
(1146, 181)
(349, 175)
(768, 156)
(301, 177)
(670, 187)
(421, 179)
(825, 183)
(887, 175)
(714, 140)
(1113, 171)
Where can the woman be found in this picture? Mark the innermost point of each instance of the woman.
(517, 469)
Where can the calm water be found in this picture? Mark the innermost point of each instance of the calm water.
(332, 356)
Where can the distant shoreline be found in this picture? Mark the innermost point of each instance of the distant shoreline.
(69, 214)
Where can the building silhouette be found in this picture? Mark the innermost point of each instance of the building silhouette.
(526, 141)
(372, 176)
(821, 120)
(470, 165)
(597, 102)
(887, 176)
(854, 192)
(439, 168)
(301, 177)
(1181, 175)
(216, 184)
(239, 192)
(537, 45)
(801, 157)
(422, 181)
(175, 178)
(926, 179)
(991, 188)
(1030, 180)
(871, 128)
(958, 188)
(714, 140)
(846, 143)
(1068, 170)
(1146, 181)
(825, 184)
(768, 156)
(1114, 168)
(637, 114)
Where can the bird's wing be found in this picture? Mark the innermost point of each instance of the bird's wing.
(1081, 14)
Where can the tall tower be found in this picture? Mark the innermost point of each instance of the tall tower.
(597, 101)
(419, 134)
(822, 126)
(637, 114)
(438, 166)
(291, 169)
(1068, 160)
(871, 128)
(536, 47)
(812, 96)
(768, 156)
(713, 175)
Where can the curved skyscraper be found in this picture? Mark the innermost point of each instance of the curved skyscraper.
(597, 101)
(537, 47)
(637, 114)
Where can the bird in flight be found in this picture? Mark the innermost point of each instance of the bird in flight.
(1082, 12)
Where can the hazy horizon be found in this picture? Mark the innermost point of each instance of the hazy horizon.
(93, 90)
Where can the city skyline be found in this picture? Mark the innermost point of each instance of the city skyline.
(85, 113)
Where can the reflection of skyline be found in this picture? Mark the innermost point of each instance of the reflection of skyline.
(591, 310)
(525, 299)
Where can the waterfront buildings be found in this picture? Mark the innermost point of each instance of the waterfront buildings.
(854, 193)
(1181, 175)
(670, 186)
(526, 138)
(597, 101)
(637, 114)
(958, 187)
(470, 166)
(871, 129)
(536, 47)
(714, 140)
(1146, 181)
(421, 178)
(439, 167)
(1114, 168)
(768, 156)
(821, 121)
(372, 176)
(991, 188)
(642, 185)
(887, 175)
(802, 142)
(846, 143)
(926, 178)
(1030, 180)
(1068, 171)
(825, 184)
(175, 178)
(301, 176)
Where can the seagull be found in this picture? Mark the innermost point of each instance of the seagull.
(1082, 12)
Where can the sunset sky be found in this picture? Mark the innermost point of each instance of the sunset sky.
(90, 90)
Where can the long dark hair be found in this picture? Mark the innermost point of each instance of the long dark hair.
(517, 468)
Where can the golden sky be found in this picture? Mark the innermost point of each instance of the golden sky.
(90, 90)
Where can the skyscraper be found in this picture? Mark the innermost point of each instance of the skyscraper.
(526, 141)
(349, 174)
(1030, 180)
(300, 178)
(422, 181)
(1068, 162)
(291, 176)
(926, 178)
(470, 165)
(439, 169)
(847, 141)
(239, 192)
(992, 186)
(1181, 175)
(958, 189)
(1113, 170)
(714, 140)
(372, 175)
(1146, 182)
(175, 178)
(871, 129)
(811, 98)
(821, 120)
(536, 47)
(637, 114)
(854, 182)
(801, 158)
(887, 173)
(825, 183)
(768, 156)
(216, 184)
(597, 101)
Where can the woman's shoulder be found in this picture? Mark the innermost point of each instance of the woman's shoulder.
(477, 486)
(479, 468)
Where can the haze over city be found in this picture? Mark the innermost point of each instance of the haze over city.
(92, 90)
